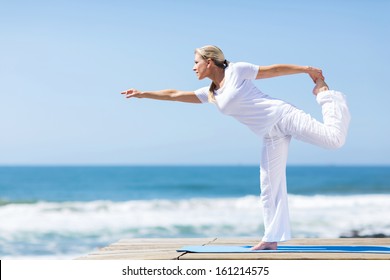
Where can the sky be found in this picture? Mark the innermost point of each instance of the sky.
(63, 65)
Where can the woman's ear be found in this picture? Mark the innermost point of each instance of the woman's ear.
(209, 62)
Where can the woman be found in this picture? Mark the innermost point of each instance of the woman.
(276, 121)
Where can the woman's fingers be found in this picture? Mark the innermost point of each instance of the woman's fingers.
(316, 74)
(130, 92)
(316, 77)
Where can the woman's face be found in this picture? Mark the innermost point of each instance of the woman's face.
(200, 67)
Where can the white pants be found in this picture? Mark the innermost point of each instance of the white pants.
(330, 134)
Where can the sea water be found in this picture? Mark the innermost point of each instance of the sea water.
(66, 212)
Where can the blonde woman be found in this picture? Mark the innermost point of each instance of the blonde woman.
(275, 121)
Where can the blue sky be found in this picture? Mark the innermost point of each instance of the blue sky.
(63, 65)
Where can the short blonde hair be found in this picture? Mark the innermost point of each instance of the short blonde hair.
(216, 55)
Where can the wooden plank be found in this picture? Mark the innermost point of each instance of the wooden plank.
(165, 249)
(145, 249)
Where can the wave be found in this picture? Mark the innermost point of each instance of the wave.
(71, 228)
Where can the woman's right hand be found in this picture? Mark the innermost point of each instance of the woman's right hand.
(315, 73)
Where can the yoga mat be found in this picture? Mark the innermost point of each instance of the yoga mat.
(287, 249)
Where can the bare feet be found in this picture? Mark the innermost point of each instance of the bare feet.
(266, 246)
(320, 86)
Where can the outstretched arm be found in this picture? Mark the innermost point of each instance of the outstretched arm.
(277, 70)
(167, 94)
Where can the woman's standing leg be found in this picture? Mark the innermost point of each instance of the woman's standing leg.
(274, 190)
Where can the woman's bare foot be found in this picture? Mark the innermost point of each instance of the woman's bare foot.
(320, 86)
(265, 246)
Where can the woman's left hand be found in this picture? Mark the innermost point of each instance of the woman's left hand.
(132, 93)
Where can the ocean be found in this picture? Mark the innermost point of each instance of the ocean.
(67, 212)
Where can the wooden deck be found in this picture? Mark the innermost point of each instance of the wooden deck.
(165, 249)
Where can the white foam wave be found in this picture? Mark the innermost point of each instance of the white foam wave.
(100, 222)
(309, 214)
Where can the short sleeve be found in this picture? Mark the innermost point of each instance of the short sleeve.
(203, 94)
(246, 70)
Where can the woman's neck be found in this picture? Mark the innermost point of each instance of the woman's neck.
(218, 78)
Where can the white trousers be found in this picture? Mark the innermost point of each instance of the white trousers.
(330, 134)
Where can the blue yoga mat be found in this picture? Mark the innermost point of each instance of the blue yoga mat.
(287, 249)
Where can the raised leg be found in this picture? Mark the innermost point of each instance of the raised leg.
(332, 132)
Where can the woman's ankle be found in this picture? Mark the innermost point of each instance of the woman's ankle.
(320, 87)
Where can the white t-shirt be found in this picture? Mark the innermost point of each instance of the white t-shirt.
(241, 99)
